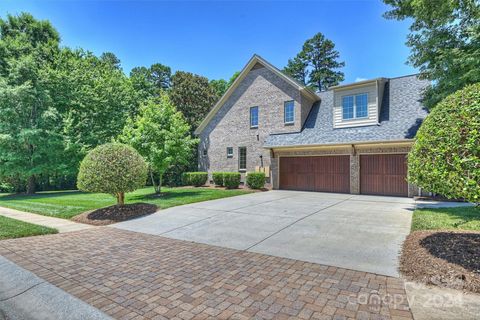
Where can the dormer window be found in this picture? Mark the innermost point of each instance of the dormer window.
(355, 106)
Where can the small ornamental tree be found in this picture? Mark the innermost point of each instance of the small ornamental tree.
(445, 158)
(112, 168)
(161, 135)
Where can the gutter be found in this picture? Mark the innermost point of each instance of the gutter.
(339, 144)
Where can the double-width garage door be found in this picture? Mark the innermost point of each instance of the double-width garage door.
(325, 173)
(380, 174)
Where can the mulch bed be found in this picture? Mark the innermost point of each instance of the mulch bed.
(115, 213)
(444, 258)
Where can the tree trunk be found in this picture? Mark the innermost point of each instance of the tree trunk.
(31, 184)
(120, 198)
(153, 181)
(159, 187)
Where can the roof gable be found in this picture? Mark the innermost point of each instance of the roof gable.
(255, 62)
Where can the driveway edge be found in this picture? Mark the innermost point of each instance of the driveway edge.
(23, 295)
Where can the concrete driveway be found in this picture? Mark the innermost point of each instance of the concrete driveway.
(363, 233)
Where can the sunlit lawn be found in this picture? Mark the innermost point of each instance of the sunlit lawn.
(459, 218)
(66, 204)
(11, 228)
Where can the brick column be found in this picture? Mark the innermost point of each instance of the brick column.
(354, 174)
(274, 172)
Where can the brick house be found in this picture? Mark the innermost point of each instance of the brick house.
(352, 138)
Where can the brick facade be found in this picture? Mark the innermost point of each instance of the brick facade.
(230, 127)
(312, 132)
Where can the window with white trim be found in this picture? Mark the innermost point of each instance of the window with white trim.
(355, 106)
(289, 112)
(254, 117)
(229, 152)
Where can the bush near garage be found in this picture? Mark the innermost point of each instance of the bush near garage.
(445, 157)
(256, 180)
(196, 179)
(112, 168)
(218, 178)
(231, 180)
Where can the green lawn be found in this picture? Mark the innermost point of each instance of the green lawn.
(460, 218)
(11, 228)
(66, 204)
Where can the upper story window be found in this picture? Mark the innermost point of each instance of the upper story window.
(254, 117)
(289, 112)
(355, 106)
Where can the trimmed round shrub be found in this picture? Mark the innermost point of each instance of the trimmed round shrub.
(231, 180)
(218, 178)
(196, 179)
(256, 180)
(112, 168)
(445, 158)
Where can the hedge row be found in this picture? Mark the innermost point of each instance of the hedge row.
(230, 180)
(256, 180)
(196, 179)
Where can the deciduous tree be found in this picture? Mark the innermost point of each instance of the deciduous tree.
(445, 42)
(30, 137)
(161, 136)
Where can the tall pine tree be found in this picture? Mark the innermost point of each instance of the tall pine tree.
(317, 64)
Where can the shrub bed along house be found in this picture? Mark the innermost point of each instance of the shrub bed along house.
(231, 180)
(218, 178)
(256, 180)
(196, 179)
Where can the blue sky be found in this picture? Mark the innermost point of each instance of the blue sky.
(215, 38)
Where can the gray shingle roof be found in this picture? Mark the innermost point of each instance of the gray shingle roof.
(400, 117)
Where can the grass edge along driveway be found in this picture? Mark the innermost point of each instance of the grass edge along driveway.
(456, 218)
(67, 204)
(12, 228)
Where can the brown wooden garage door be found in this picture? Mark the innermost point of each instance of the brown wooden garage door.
(384, 174)
(326, 173)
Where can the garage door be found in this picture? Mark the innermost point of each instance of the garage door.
(384, 174)
(326, 173)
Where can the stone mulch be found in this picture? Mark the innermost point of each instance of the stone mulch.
(444, 258)
(131, 275)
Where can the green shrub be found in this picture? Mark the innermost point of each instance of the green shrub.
(256, 180)
(445, 158)
(112, 168)
(196, 179)
(218, 178)
(231, 180)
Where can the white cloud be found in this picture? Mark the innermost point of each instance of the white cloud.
(358, 79)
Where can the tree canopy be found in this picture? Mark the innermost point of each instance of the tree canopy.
(112, 168)
(193, 96)
(58, 103)
(445, 42)
(29, 136)
(317, 64)
(161, 135)
(148, 82)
